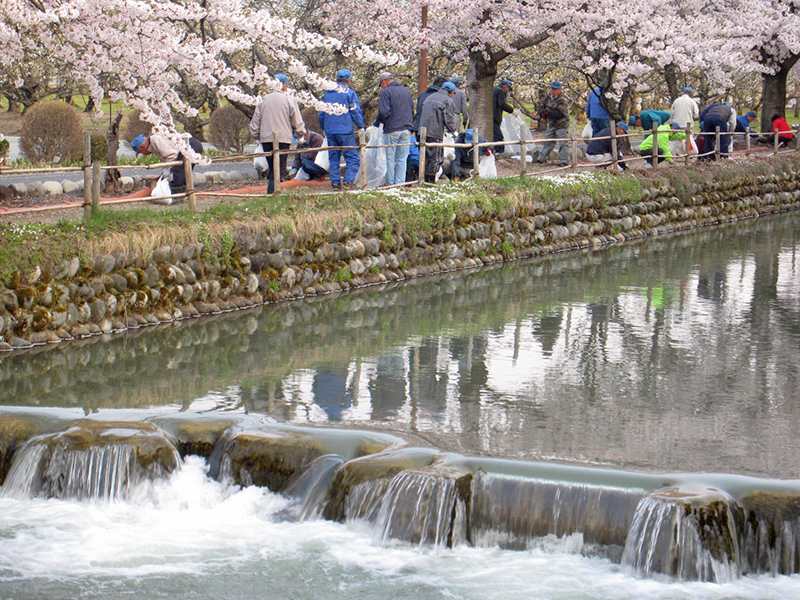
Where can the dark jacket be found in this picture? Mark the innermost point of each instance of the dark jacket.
(432, 89)
(598, 146)
(438, 115)
(395, 108)
(723, 111)
(314, 141)
(499, 104)
(556, 111)
(464, 155)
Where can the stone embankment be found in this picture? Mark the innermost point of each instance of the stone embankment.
(115, 293)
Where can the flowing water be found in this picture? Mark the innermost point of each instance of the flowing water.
(676, 355)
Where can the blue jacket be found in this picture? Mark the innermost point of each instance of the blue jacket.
(395, 108)
(594, 110)
(332, 124)
(743, 125)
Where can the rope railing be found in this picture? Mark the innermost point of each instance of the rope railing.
(92, 169)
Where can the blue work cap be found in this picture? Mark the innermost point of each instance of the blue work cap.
(343, 75)
(468, 136)
(137, 142)
(632, 121)
(623, 125)
(676, 126)
(449, 86)
(282, 78)
(456, 80)
(506, 82)
(750, 114)
(687, 90)
(556, 85)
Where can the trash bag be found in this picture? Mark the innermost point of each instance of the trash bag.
(487, 168)
(260, 162)
(322, 159)
(162, 189)
(449, 152)
(375, 158)
(511, 125)
(586, 134)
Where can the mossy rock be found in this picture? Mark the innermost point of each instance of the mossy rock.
(269, 459)
(199, 437)
(13, 432)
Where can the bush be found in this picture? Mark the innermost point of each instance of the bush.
(52, 132)
(135, 126)
(229, 129)
(99, 148)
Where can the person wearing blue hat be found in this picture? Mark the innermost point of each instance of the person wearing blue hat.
(396, 114)
(160, 146)
(499, 106)
(596, 113)
(743, 126)
(339, 130)
(277, 118)
(463, 165)
(438, 115)
(684, 110)
(599, 150)
(460, 102)
(555, 110)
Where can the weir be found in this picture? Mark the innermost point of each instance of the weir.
(652, 524)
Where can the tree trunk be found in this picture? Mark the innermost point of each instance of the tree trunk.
(112, 139)
(773, 92)
(481, 73)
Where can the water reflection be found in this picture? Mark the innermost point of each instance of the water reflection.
(673, 354)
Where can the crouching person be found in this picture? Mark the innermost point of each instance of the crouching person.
(599, 152)
(304, 167)
(161, 147)
(463, 164)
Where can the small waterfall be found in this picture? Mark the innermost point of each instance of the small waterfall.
(65, 465)
(308, 488)
(686, 535)
(412, 506)
(516, 512)
(771, 540)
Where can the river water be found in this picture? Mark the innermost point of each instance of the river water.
(677, 354)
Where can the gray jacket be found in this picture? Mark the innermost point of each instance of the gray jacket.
(279, 113)
(461, 104)
(438, 114)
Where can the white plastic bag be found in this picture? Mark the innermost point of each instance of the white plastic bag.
(449, 151)
(302, 175)
(260, 162)
(376, 158)
(322, 159)
(511, 126)
(162, 189)
(586, 134)
(487, 168)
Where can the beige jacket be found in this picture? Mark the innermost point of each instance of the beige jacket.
(276, 112)
(162, 148)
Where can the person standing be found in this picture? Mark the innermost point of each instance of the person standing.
(460, 102)
(432, 89)
(499, 106)
(277, 115)
(596, 113)
(684, 110)
(554, 108)
(339, 130)
(166, 152)
(438, 115)
(396, 114)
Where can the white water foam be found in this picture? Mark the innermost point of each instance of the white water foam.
(191, 537)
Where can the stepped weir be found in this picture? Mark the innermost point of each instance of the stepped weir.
(691, 527)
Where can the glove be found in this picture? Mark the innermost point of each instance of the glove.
(543, 114)
(292, 173)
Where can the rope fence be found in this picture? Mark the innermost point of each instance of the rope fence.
(92, 170)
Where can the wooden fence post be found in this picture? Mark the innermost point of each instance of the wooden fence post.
(687, 144)
(87, 174)
(362, 152)
(523, 155)
(95, 186)
(574, 141)
(422, 134)
(717, 152)
(654, 153)
(190, 197)
(614, 151)
(777, 141)
(276, 164)
(476, 153)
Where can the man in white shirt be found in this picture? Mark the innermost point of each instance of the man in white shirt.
(684, 110)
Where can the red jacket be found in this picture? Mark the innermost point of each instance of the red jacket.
(782, 126)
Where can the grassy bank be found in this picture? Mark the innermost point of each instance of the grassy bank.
(310, 218)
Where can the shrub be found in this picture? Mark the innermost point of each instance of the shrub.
(229, 129)
(52, 131)
(99, 147)
(135, 126)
